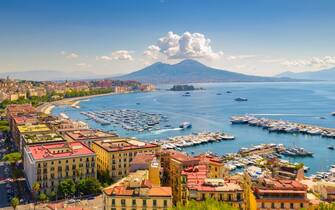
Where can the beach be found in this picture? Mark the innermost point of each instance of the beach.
(47, 107)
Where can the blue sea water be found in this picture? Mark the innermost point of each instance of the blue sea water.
(207, 111)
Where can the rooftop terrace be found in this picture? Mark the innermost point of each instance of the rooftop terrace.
(89, 134)
(121, 144)
(42, 138)
(33, 128)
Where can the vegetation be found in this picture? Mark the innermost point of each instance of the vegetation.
(209, 204)
(326, 206)
(75, 93)
(88, 186)
(52, 196)
(104, 178)
(4, 127)
(43, 197)
(15, 202)
(34, 100)
(66, 188)
(36, 188)
(13, 158)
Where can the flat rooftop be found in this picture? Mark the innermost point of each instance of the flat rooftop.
(197, 179)
(20, 108)
(33, 128)
(42, 138)
(271, 185)
(59, 150)
(122, 144)
(25, 119)
(86, 134)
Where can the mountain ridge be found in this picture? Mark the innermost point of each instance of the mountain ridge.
(191, 71)
(323, 74)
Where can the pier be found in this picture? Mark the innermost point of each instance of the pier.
(283, 126)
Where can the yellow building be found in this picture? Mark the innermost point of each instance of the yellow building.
(51, 163)
(137, 192)
(115, 155)
(196, 185)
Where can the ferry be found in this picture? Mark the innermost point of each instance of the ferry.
(241, 99)
(296, 151)
(185, 125)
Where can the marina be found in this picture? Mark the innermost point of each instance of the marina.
(179, 142)
(128, 119)
(283, 126)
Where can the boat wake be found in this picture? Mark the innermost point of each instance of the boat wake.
(166, 130)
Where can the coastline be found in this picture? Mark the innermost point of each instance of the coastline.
(48, 106)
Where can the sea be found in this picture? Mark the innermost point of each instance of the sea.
(210, 110)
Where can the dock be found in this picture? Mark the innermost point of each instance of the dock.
(283, 126)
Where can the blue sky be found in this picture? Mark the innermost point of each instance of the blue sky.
(262, 37)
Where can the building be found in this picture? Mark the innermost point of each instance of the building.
(87, 136)
(61, 125)
(115, 155)
(51, 163)
(174, 163)
(273, 194)
(30, 130)
(137, 192)
(196, 185)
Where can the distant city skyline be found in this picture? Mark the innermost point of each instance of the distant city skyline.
(259, 37)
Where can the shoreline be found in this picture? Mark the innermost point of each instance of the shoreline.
(47, 107)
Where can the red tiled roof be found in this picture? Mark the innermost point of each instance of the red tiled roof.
(59, 150)
(84, 134)
(280, 185)
(20, 108)
(120, 144)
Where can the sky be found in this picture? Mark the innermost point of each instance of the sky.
(259, 37)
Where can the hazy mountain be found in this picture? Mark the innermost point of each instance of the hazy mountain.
(191, 71)
(44, 75)
(325, 74)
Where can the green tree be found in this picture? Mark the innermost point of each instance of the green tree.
(12, 158)
(15, 202)
(36, 188)
(52, 196)
(66, 188)
(43, 197)
(89, 186)
(326, 206)
(209, 204)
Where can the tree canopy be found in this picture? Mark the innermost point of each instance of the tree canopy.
(66, 188)
(89, 186)
(15, 202)
(209, 204)
(13, 157)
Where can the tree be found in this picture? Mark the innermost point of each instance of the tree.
(52, 196)
(209, 204)
(36, 188)
(66, 188)
(12, 158)
(89, 186)
(326, 206)
(43, 197)
(15, 202)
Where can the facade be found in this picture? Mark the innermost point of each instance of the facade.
(273, 194)
(115, 155)
(87, 136)
(137, 192)
(51, 163)
(196, 185)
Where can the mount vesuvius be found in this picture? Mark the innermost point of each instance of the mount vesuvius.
(191, 71)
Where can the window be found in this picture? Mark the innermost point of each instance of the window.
(113, 202)
(273, 205)
(134, 202)
(263, 205)
(154, 203)
(301, 205)
(165, 203)
(123, 202)
(282, 205)
(144, 203)
(291, 205)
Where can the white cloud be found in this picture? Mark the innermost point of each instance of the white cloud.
(187, 45)
(69, 55)
(238, 57)
(325, 61)
(120, 55)
(84, 65)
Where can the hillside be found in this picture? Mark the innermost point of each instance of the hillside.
(325, 74)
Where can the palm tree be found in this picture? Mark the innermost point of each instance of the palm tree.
(15, 202)
(36, 189)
